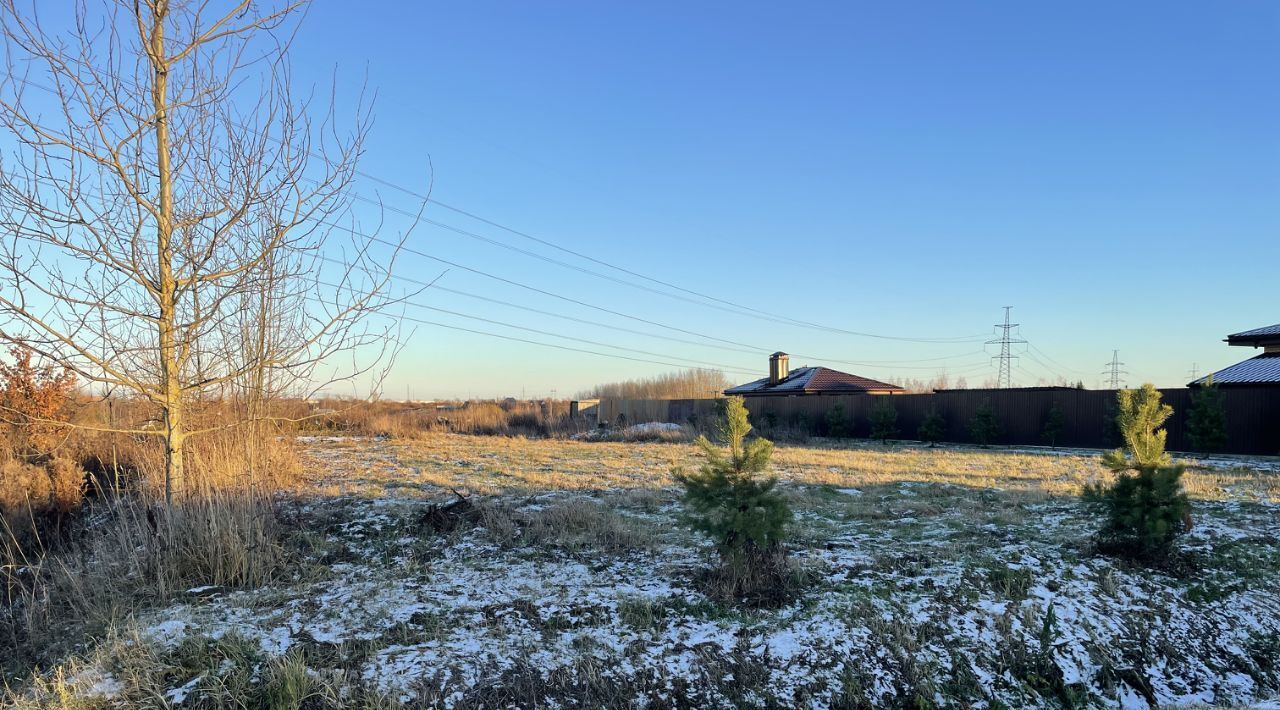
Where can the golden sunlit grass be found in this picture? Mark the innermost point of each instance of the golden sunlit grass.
(491, 465)
(871, 523)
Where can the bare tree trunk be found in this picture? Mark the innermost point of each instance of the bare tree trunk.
(159, 205)
(170, 365)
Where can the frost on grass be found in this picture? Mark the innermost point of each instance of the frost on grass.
(919, 593)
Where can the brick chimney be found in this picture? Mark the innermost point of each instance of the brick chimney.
(778, 367)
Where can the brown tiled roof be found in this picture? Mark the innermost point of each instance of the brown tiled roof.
(815, 380)
(825, 380)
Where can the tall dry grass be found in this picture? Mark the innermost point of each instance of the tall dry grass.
(118, 548)
(408, 420)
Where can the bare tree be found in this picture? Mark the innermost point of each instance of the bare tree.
(169, 209)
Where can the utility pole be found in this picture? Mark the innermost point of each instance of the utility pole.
(1006, 357)
(1113, 371)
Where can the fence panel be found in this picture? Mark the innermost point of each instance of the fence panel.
(1253, 415)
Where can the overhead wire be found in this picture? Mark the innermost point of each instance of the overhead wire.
(724, 304)
(579, 302)
(735, 347)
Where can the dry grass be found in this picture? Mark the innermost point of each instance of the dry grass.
(487, 465)
(604, 511)
(67, 569)
(132, 556)
(407, 420)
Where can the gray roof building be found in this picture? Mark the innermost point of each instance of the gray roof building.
(1261, 370)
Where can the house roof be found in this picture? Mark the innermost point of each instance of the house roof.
(1258, 336)
(1263, 369)
(814, 380)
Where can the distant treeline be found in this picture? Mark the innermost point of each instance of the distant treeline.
(688, 384)
(944, 382)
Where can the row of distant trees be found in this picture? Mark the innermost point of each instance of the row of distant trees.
(944, 381)
(686, 384)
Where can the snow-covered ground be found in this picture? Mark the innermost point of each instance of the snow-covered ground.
(916, 594)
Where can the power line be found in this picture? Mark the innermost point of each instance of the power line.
(722, 341)
(542, 344)
(1004, 379)
(1051, 359)
(752, 350)
(736, 309)
(505, 324)
(753, 312)
(1053, 374)
(1113, 372)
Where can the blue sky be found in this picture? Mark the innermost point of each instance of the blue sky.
(1112, 170)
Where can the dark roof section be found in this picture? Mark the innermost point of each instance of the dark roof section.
(814, 380)
(1263, 369)
(1257, 336)
(1036, 388)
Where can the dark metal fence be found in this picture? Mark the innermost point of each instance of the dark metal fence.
(1253, 415)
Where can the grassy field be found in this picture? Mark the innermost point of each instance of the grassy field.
(930, 577)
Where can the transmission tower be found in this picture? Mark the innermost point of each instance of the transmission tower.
(1195, 371)
(1006, 356)
(1113, 371)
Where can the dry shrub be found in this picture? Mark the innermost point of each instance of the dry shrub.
(33, 402)
(133, 551)
(135, 555)
(250, 454)
(67, 484)
(582, 526)
(223, 540)
(24, 487)
(36, 498)
(406, 420)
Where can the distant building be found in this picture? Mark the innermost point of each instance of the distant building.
(1263, 369)
(783, 381)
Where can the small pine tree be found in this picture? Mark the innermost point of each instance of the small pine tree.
(984, 427)
(933, 428)
(1054, 422)
(729, 499)
(1207, 418)
(1146, 508)
(837, 423)
(884, 419)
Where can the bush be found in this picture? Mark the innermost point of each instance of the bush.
(933, 428)
(984, 427)
(33, 402)
(1054, 422)
(884, 419)
(34, 498)
(1146, 507)
(837, 423)
(1207, 418)
(740, 509)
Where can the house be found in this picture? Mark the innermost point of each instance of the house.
(783, 381)
(1262, 369)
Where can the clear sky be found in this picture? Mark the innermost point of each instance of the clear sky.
(1111, 170)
